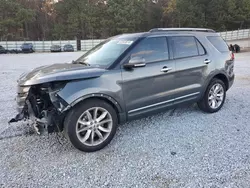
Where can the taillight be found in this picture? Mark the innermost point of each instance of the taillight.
(232, 56)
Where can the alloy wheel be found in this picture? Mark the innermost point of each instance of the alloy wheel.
(94, 126)
(216, 96)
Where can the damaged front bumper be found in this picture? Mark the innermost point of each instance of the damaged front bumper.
(40, 105)
(26, 113)
(22, 108)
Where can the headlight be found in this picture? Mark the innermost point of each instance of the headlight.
(21, 90)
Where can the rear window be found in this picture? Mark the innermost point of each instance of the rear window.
(27, 44)
(218, 43)
(185, 46)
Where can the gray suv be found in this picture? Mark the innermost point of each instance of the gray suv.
(126, 77)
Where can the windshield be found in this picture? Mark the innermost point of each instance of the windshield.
(106, 52)
(27, 44)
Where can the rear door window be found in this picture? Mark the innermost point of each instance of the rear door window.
(151, 49)
(184, 46)
(218, 43)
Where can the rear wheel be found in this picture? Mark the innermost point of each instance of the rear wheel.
(91, 125)
(214, 97)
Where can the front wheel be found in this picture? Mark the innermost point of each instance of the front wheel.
(214, 97)
(91, 125)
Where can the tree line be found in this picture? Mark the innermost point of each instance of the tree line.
(93, 19)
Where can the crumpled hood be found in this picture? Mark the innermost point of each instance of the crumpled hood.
(59, 72)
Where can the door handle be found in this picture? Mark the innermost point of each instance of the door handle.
(207, 61)
(166, 69)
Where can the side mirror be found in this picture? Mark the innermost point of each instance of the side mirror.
(135, 62)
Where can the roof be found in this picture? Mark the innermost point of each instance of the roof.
(130, 35)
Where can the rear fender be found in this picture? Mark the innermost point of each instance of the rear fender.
(209, 79)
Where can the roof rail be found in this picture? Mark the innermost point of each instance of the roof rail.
(182, 29)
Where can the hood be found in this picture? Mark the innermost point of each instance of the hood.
(59, 72)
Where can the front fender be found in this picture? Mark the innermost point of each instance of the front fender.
(77, 91)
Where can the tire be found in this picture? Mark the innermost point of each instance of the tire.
(206, 104)
(89, 126)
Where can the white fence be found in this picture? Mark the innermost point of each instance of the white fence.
(88, 44)
(44, 46)
(235, 35)
(39, 46)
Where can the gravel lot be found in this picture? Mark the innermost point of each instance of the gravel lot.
(179, 148)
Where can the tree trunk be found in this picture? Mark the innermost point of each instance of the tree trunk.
(26, 30)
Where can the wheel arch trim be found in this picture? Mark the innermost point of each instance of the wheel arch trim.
(101, 96)
(218, 75)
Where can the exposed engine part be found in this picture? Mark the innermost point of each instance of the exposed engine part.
(42, 106)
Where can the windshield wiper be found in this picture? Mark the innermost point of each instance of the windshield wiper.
(80, 62)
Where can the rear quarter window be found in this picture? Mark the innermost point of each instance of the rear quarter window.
(218, 43)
